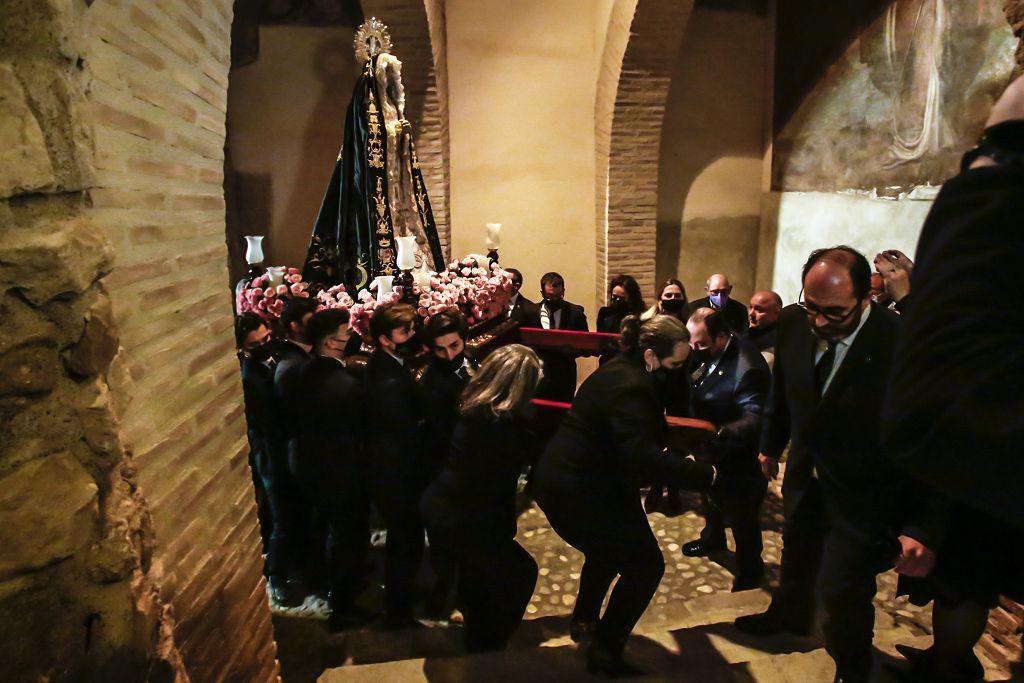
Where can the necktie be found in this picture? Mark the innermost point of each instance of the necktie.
(824, 367)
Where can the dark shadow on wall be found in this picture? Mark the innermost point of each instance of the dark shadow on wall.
(715, 110)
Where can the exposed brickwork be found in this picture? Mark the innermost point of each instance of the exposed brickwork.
(630, 131)
(159, 98)
(417, 30)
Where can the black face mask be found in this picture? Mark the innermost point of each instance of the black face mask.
(619, 305)
(553, 304)
(699, 356)
(450, 365)
(272, 349)
(672, 306)
(408, 348)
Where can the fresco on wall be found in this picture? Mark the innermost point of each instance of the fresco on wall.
(904, 101)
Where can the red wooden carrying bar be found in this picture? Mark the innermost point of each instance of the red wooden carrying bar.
(581, 342)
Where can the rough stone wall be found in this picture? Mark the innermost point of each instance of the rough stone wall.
(627, 243)
(417, 31)
(158, 101)
(1015, 14)
(78, 593)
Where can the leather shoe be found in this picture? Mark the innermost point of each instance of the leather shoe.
(289, 593)
(771, 623)
(747, 583)
(699, 548)
(924, 668)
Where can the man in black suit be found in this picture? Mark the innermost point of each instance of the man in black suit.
(306, 534)
(396, 453)
(439, 391)
(519, 306)
(328, 461)
(555, 313)
(719, 290)
(845, 504)
(762, 314)
(954, 405)
(730, 389)
(257, 359)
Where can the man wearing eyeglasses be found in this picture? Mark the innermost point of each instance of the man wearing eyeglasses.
(846, 507)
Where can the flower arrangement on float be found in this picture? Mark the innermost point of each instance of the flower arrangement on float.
(265, 294)
(480, 293)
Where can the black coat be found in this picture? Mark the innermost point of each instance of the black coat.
(732, 397)
(762, 337)
(839, 434)
(559, 367)
(523, 308)
(954, 413)
(475, 492)
(735, 313)
(611, 441)
(329, 429)
(392, 418)
(438, 393)
(258, 392)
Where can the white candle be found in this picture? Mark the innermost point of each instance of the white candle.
(253, 249)
(275, 274)
(406, 252)
(383, 285)
(492, 235)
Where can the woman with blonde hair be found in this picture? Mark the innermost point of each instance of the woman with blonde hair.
(588, 480)
(471, 505)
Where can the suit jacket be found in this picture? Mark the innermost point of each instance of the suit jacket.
(328, 431)
(732, 397)
(438, 393)
(475, 492)
(611, 441)
(559, 382)
(735, 313)
(762, 337)
(392, 415)
(839, 434)
(258, 393)
(523, 308)
(954, 412)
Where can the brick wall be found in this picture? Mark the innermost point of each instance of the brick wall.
(630, 130)
(160, 77)
(417, 31)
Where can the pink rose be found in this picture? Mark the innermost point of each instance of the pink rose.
(296, 289)
(292, 271)
(282, 289)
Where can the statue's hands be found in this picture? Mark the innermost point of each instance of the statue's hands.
(406, 126)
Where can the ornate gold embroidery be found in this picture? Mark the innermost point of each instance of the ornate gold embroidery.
(374, 147)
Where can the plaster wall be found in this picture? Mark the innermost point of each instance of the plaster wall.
(286, 120)
(805, 221)
(522, 83)
(710, 174)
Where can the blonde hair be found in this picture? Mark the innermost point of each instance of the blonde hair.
(659, 333)
(505, 381)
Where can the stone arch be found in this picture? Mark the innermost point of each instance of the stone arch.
(633, 82)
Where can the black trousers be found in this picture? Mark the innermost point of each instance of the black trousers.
(739, 509)
(847, 587)
(496, 578)
(286, 507)
(612, 532)
(398, 504)
(803, 541)
(337, 491)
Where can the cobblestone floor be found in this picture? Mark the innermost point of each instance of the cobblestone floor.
(305, 649)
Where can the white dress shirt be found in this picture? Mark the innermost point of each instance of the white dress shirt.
(842, 347)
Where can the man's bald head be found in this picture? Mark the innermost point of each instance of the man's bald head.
(718, 282)
(837, 282)
(764, 309)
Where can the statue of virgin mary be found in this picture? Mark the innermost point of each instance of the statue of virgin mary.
(376, 192)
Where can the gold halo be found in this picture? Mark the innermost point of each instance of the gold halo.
(371, 39)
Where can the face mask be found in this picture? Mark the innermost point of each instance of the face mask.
(407, 349)
(553, 304)
(672, 306)
(450, 365)
(619, 305)
(699, 356)
(272, 349)
(718, 300)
